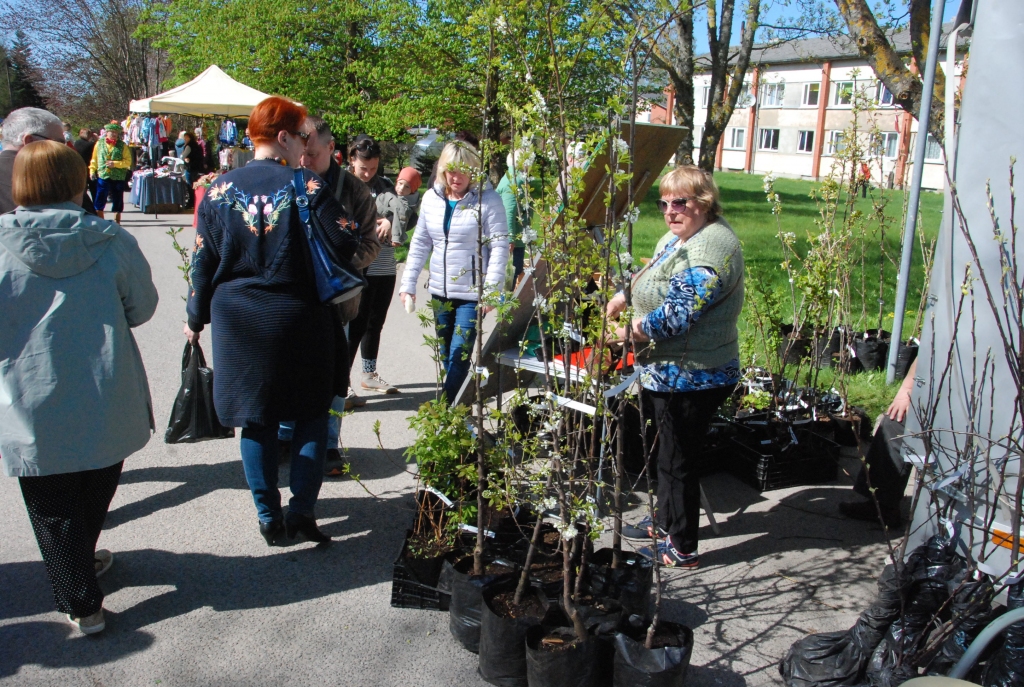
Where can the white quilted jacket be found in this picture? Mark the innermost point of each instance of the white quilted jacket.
(452, 270)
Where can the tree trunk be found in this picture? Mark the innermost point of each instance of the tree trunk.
(906, 87)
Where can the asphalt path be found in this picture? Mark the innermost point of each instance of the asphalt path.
(196, 597)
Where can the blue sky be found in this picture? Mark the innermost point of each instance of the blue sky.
(775, 12)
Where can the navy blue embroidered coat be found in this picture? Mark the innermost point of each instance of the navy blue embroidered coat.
(274, 343)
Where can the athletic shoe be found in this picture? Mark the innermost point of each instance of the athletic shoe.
(103, 560)
(373, 382)
(352, 401)
(91, 624)
(670, 557)
(642, 530)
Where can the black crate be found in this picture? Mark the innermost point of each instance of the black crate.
(768, 464)
(414, 581)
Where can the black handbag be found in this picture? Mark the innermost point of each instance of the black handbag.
(336, 279)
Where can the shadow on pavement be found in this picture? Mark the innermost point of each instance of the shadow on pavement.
(59, 645)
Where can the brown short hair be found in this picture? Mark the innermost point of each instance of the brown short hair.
(273, 115)
(693, 182)
(47, 172)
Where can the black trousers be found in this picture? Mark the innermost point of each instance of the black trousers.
(364, 330)
(889, 473)
(681, 420)
(67, 513)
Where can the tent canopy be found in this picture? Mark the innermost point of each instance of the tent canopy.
(211, 94)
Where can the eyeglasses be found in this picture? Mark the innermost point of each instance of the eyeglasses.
(301, 134)
(676, 204)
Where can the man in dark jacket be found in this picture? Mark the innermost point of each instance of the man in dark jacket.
(355, 198)
(85, 144)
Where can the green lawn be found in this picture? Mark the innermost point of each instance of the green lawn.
(749, 213)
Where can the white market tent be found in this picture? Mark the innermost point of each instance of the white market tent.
(211, 94)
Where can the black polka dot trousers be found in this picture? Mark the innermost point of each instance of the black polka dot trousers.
(67, 513)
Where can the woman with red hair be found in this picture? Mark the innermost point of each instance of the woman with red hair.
(275, 344)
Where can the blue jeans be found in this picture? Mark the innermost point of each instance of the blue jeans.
(259, 458)
(456, 327)
(518, 255)
(112, 188)
(287, 429)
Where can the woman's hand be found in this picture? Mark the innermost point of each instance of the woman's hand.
(900, 405)
(383, 230)
(616, 305)
(193, 337)
(408, 300)
(484, 309)
(637, 331)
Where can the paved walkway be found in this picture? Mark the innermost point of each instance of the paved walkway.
(196, 597)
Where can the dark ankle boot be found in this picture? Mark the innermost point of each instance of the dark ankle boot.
(272, 531)
(305, 527)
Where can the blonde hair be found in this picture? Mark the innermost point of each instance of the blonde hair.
(458, 156)
(693, 182)
(46, 173)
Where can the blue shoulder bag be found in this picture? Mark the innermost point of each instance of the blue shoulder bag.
(336, 280)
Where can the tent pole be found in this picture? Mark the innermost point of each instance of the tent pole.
(903, 281)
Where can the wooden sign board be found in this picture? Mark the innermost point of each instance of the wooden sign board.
(653, 147)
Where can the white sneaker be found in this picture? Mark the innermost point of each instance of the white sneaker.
(373, 382)
(104, 559)
(91, 624)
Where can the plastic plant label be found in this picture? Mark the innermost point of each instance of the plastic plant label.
(473, 530)
(438, 494)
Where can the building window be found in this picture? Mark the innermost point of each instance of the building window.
(843, 93)
(769, 139)
(737, 138)
(883, 96)
(705, 97)
(835, 143)
(932, 149)
(888, 144)
(772, 94)
(746, 98)
(811, 91)
(806, 144)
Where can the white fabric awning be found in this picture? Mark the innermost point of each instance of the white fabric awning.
(211, 94)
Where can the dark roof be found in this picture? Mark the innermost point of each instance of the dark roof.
(828, 48)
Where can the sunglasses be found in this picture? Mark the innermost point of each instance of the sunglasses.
(301, 134)
(676, 204)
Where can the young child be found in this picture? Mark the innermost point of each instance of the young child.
(402, 206)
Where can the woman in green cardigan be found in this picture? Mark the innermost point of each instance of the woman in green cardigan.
(687, 302)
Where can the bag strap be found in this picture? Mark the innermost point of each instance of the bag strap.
(301, 201)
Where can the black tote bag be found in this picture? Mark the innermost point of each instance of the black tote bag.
(193, 417)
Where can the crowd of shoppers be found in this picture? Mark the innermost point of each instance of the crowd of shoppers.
(283, 358)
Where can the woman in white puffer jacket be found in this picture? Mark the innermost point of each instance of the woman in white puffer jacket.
(451, 216)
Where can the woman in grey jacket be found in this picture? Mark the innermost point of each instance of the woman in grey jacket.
(74, 399)
(451, 217)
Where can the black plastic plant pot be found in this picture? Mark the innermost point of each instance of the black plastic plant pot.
(662, 666)
(872, 349)
(794, 346)
(555, 657)
(904, 358)
(630, 584)
(414, 580)
(503, 637)
(466, 602)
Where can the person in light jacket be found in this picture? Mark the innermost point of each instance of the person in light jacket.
(452, 213)
(74, 399)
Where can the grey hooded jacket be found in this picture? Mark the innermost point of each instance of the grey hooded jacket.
(73, 390)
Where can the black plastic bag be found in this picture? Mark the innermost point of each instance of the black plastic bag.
(839, 658)
(972, 611)
(193, 417)
(1006, 669)
(503, 639)
(630, 584)
(578, 664)
(899, 654)
(636, 666)
(464, 609)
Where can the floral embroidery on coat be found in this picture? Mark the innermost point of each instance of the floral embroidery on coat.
(253, 207)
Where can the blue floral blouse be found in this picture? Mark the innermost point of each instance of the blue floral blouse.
(688, 291)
